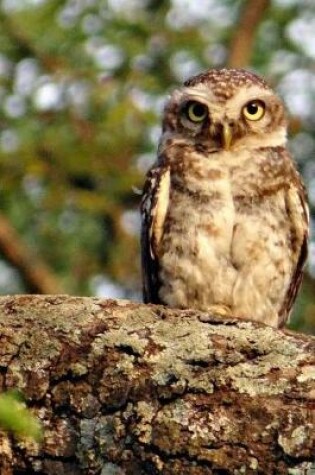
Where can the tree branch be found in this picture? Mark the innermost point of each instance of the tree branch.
(125, 388)
(35, 273)
(242, 42)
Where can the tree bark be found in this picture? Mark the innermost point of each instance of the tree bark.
(126, 388)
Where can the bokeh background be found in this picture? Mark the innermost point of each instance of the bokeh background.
(82, 87)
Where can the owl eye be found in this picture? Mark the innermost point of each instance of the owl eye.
(254, 110)
(196, 112)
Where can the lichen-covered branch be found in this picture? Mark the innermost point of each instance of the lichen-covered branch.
(125, 388)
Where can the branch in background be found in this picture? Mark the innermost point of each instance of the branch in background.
(126, 388)
(25, 47)
(35, 273)
(242, 41)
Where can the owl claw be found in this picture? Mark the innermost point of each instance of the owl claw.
(218, 311)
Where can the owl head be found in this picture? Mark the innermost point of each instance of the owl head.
(226, 109)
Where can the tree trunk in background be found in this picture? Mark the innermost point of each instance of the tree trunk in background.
(241, 46)
(126, 388)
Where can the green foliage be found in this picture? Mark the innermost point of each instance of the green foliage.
(16, 418)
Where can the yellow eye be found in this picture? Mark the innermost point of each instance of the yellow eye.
(196, 112)
(254, 110)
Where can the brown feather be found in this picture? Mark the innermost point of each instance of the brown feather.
(153, 212)
(300, 233)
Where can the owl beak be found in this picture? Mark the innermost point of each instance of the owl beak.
(227, 136)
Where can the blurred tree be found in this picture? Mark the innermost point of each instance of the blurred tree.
(82, 84)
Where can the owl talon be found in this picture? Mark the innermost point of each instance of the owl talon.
(220, 310)
(216, 311)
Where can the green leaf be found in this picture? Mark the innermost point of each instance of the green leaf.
(15, 417)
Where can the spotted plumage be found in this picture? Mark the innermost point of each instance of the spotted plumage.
(224, 214)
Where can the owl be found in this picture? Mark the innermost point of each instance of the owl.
(224, 211)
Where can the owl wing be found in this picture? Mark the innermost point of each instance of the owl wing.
(154, 206)
(298, 215)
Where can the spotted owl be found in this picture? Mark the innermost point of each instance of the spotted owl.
(224, 212)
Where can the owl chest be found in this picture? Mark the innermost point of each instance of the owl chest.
(201, 213)
(217, 248)
(211, 212)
